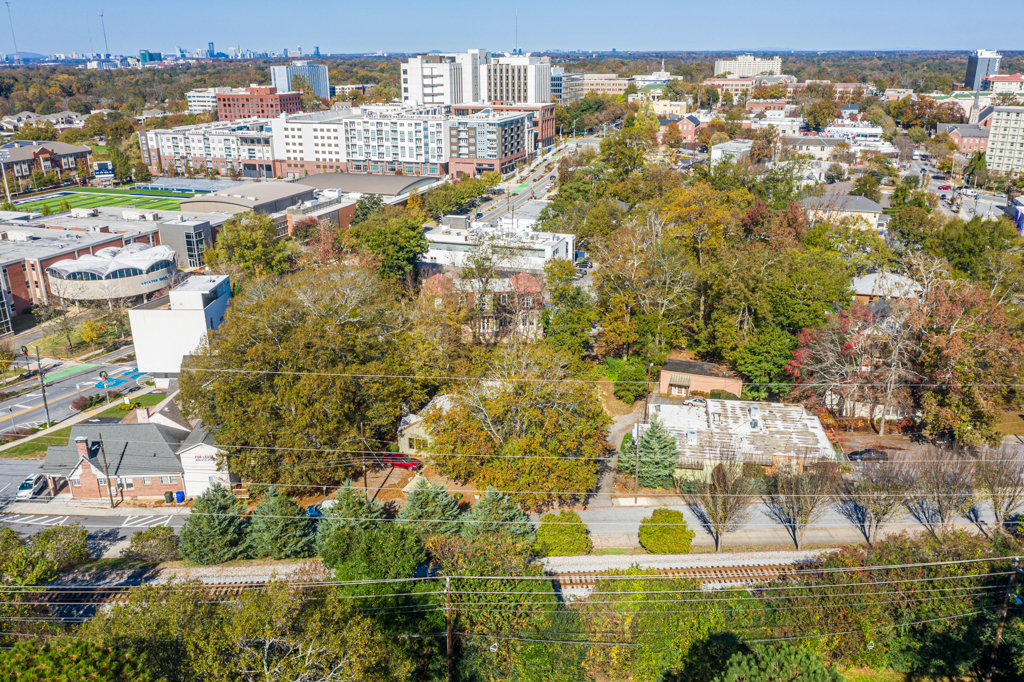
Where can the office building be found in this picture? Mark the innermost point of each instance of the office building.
(514, 249)
(443, 78)
(204, 99)
(605, 84)
(516, 79)
(980, 64)
(256, 102)
(749, 65)
(167, 329)
(113, 272)
(225, 145)
(566, 88)
(145, 57)
(282, 77)
(1008, 83)
(342, 91)
(1006, 140)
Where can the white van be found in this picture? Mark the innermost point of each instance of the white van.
(968, 192)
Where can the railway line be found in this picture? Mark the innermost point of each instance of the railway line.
(710, 574)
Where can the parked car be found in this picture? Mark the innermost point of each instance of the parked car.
(31, 486)
(945, 186)
(999, 194)
(696, 401)
(868, 455)
(402, 462)
(943, 196)
(585, 264)
(317, 510)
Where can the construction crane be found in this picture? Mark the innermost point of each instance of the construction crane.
(105, 46)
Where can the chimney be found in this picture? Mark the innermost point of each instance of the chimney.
(142, 415)
(82, 443)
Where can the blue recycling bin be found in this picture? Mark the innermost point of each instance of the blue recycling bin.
(179, 497)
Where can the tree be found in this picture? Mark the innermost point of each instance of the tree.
(350, 512)
(821, 114)
(701, 217)
(430, 510)
(722, 502)
(943, 489)
(569, 313)
(658, 455)
(216, 529)
(496, 514)
(156, 544)
(918, 134)
(310, 100)
(781, 662)
(250, 241)
(141, 173)
(117, 132)
(40, 132)
(999, 478)
(122, 166)
(65, 206)
(385, 551)
(76, 660)
(867, 186)
(46, 210)
(797, 500)
(763, 360)
(279, 529)
(395, 239)
(90, 331)
(366, 206)
(878, 497)
(625, 151)
(671, 136)
(665, 532)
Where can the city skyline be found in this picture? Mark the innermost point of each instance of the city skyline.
(63, 26)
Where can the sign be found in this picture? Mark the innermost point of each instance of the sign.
(103, 375)
(126, 400)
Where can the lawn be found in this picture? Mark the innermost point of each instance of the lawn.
(92, 198)
(148, 400)
(36, 448)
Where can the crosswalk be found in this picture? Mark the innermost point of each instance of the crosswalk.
(33, 520)
(145, 521)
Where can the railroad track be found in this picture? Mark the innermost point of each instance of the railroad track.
(724, 574)
(118, 594)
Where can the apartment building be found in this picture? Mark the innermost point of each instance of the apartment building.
(749, 65)
(256, 101)
(980, 64)
(1006, 140)
(243, 145)
(204, 99)
(738, 86)
(282, 77)
(516, 79)
(605, 84)
(443, 78)
(543, 118)
(487, 141)
(25, 157)
(566, 88)
(1008, 83)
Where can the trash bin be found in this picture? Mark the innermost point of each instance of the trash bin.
(168, 497)
(179, 497)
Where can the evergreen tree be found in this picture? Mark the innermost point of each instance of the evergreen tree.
(46, 210)
(65, 206)
(782, 663)
(497, 514)
(215, 531)
(659, 456)
(332, 531)
(430, 502)
(280, 529)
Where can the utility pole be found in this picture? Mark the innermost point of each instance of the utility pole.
(106, 471)
(448, 623)
(636, 470)
(105, 46)
(1002, 621)
(42, 384)
(362, 456)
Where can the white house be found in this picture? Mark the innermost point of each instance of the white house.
(200, 470)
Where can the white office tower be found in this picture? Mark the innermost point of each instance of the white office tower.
(516, 79)
(443, 78)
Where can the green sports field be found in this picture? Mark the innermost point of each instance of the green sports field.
(85, 198)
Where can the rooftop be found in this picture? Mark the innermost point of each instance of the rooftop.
(365, 183)
(842, 203)
(203, 284)
(131, 449)
(886, 284)
(703, 369)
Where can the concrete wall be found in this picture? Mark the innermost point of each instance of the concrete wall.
(163, 337)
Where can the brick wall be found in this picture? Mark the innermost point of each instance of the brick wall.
(89, 473)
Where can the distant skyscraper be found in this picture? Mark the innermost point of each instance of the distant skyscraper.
(281, 77)
(211, 50)
(980, 64)
(316, 51)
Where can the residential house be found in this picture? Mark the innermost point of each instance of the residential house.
(413, 436)
(864, 212)
(969, 139)
(884, 286)
(681, 378)
(497, 309)
(821, 148)
(200, 467)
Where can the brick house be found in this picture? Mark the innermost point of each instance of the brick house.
(689, 126)
(141, 460)
(969, 139)
(502, 308)
(680, 378)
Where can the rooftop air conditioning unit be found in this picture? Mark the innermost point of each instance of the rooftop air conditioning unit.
(755, 424)
(84, 212)
(691, 437)
(754, 412)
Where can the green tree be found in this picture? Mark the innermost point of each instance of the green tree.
(367, 205)
(568, 315)
(122, 167)
(395, 239)
(625, 152)
(780, 662)
(117, 132)
(140, 171)
(665, 531)
(156, 544)
(65, 206)
(659, 456)
(918, 134)
(835, 173)
(69, 660)
(46, 210)
(250, 241)
(386, 551)
(430, 510)
(279, 529)
(40, 132)
(563, 534)
(867, 186)
(497, 514)
(762, 360)
(631, 381)
(216, 529)
(310, 100)
(350, 511)
(821, 114)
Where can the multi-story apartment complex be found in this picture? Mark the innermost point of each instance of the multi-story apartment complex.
(1007, 83)
(256, 101)
(443, 78)
(605, 84)
(25, 157)
(488, 141)
(516, 79)
(566, 88)
(1006, 140)
(281, 77)
(749, 65)
(738, 86)
(543, 118)
(203, 99)
(980, 64)
(243, 145)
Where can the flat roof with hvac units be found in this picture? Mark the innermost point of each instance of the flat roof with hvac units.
(259, 197)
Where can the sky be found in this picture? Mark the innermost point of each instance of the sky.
(61, 26)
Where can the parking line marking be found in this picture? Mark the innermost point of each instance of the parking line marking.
(126, 521)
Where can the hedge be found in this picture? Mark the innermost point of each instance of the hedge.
(563, 534)
(666, 532)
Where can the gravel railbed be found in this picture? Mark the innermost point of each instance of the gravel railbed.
(586, 564)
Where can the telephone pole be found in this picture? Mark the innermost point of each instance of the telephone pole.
(106, 471)
(1002, 621)
(42, 383)
(448, 624)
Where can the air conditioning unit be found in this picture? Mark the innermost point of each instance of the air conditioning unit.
(84, 212)
(754, 412)
(691, 437)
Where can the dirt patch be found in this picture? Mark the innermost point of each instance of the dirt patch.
(613, 405)
(1010, 423)
(897, 443)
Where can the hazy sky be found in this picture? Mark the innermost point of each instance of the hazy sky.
(49, 26)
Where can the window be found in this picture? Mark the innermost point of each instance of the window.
(76, 482)
(168, 480)
(417, 443)
(145, 480)
(101, 481)
(126, 484)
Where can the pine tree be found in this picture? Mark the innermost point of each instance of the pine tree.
(280, 529)
(496, 514)
(659, 456)
(430, 502)
(215, 531)
(334, 530)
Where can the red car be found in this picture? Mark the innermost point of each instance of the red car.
(945, 187)
(402, 462)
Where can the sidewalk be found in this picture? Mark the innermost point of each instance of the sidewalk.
(72, 507)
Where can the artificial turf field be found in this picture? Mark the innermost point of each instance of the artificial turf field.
(88, 198)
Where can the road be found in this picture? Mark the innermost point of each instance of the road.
(984, 205)
(65, 382)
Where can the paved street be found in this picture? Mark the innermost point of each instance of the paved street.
(985, 204)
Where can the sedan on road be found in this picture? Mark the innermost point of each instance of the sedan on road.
(945, 186)
(868, 455)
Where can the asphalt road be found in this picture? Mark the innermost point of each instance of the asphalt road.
(984, 205)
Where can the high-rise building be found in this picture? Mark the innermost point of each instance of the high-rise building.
(443, 78)
(145, 56)
(1006, 140)
(566, 88)
(749, 65)
(281, 77)
(203, 99)
(980, 64)
(516, 79)
(211, 50)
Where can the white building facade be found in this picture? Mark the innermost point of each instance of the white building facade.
(516, 79)
(443, 78)
(243, 145)
(515, 250)
(749, 65)
(203, 99)
(1006, 140)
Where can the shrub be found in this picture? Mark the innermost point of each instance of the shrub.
(383, 552)
(430, 502)
(112, 395)
(215, 531)
(496, 514)
(780, 663)
(627, 446)
(280, 529)
(156, 544)
(630, 382)
(76, 660)
(723, 395)
(563, 534)
(666, 532)
(127, 407)
(84, 402)
(331, 538)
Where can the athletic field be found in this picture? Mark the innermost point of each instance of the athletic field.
(90, 198)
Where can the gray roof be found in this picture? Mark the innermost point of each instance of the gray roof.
(131, 449)
(842, 202)
(969, 130)
(27, 150)
(366, 183)
(199, 436)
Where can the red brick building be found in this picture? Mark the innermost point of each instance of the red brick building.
(255, 101)
(25, 157)
(759, 105)
(543, 118)
(969, 139)
(508, 308)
